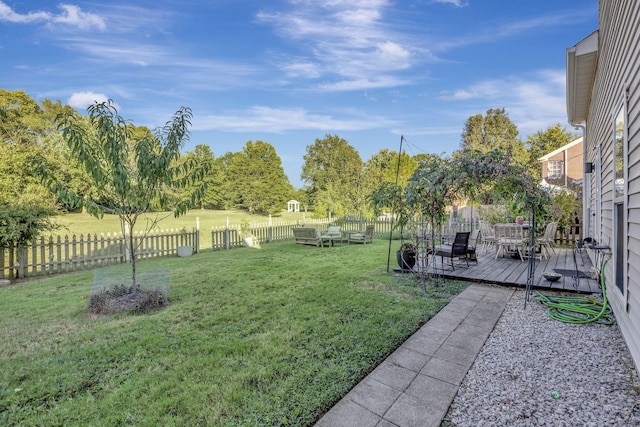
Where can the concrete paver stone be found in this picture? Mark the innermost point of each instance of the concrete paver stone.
(416, 384)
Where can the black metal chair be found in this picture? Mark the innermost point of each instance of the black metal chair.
(456, 249)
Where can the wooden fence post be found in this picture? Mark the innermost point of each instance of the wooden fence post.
(196, 245)
(21, 262)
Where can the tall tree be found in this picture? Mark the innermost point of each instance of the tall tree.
(333, 167)
(202, 154)
(20, 118)
(383, 169)
(261, 184)
(485, 134)
(230, 189)
(25, 204)
(131, 169)
(544, 142)
(493, 131)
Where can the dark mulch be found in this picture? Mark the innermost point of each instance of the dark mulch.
(127, 299)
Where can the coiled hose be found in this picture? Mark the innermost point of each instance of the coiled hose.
(579, 310)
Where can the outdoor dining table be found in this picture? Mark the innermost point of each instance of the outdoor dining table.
(510, 239)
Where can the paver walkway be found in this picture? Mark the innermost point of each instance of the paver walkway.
(416, 384)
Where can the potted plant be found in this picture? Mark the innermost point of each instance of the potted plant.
(406, 255)
(184, 250)
(248, 239)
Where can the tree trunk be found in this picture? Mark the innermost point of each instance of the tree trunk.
(132, 255)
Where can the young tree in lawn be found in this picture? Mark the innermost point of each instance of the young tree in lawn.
(132, 168)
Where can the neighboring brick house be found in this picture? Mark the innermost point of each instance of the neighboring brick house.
(564, 166)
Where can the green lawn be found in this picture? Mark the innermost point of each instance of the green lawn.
(271, 336)
(83, 223)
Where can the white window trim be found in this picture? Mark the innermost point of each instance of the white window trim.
(620, 200)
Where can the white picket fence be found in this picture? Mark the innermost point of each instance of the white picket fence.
(47, 256)
(229, 236)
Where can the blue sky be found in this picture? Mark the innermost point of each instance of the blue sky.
(290, 71)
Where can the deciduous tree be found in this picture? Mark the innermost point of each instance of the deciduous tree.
(202, 155)
(259, 179)
(488, 133)
(131, 169)
(333, 167)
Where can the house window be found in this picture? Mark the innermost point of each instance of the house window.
(554, 169)
(619, 211)
(619, 155)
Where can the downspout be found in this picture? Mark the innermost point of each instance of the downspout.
(586, 189)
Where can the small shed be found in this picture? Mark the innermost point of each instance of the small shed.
(293, 206)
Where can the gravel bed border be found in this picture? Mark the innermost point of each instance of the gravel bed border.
(535, 371)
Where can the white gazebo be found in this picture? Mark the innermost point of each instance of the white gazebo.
(293, 206)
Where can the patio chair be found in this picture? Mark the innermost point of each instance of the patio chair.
(487, 235)
(457, 249)
(363, 237)
(471, 247)
(510, 239)
(335, 234)
(547, 240)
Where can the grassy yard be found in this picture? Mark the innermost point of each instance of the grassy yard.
(271, 336)
(83, 223)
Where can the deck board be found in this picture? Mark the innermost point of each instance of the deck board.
(509, 271)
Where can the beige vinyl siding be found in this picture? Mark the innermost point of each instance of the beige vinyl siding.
(619, 68)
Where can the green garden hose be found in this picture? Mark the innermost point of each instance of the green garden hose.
(579, 310)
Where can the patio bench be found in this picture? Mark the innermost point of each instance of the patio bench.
(309, 236)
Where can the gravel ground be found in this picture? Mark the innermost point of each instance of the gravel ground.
(535, 371)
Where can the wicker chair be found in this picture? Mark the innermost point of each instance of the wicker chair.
(364, 237)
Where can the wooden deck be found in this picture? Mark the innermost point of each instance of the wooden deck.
(509, 271)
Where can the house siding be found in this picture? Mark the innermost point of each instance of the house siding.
(617, 81)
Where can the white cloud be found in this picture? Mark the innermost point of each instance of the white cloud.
(456, 3)
(277, 120)
(71, 15)
(304, 69)
(393, 55)
(343, 39)
(533, 101)
(75, 17)
(7, 14)
(81, 100)
(363, 84)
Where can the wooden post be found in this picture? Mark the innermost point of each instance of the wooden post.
(227, 236)
(22, 261)
(196, 246)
